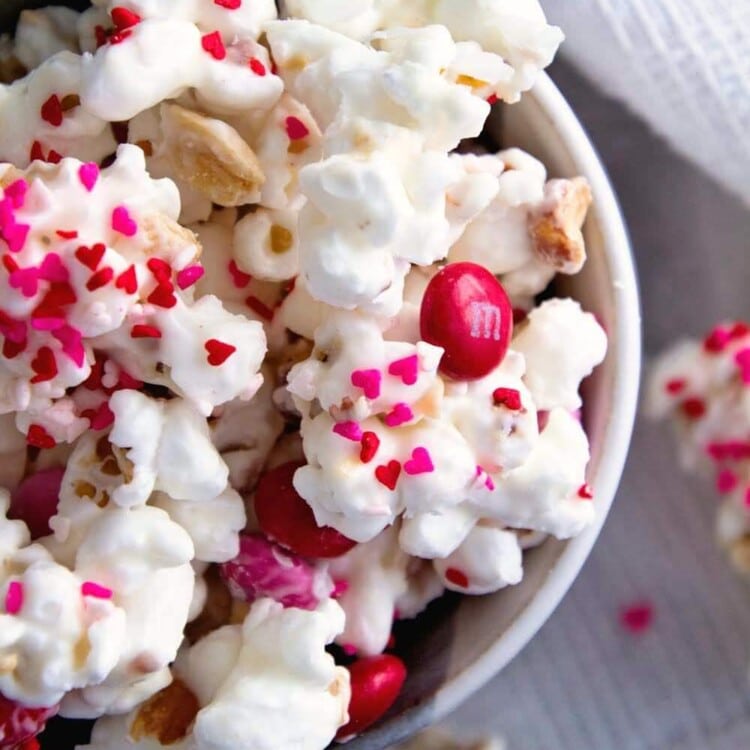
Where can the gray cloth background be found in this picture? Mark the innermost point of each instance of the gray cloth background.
(584, 683)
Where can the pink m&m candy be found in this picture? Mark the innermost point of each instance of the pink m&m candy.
(465, 311)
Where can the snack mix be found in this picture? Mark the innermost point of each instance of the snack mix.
(702, 387)
(274, 368)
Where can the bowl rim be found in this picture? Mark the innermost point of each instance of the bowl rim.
(613, 450)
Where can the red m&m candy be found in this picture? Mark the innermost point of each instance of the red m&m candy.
(376, 682)
(465, 311)
(288, 520)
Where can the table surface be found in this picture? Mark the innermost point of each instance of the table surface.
(584, 683)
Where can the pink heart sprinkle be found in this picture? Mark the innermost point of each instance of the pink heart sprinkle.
(26, 280)
(349, 430)
(420, 462)
(489, 483)
(400, 414)
(123, 222)
(369, 381)
(742, 358)
(726, 481)
(190, 275)
(15, 235)
(47, 324)
(407, 369)
(16, 191)
(52, 269)
(88, 174)
(14, 598)
(89, 588)
(72, 344)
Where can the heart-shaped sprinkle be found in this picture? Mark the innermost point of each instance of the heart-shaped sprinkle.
(739, 330)
(388, 474)
(44, 365)
(124, 18)
(675, 386)
(9, 263)
(126, 380)
(47, 323)
(693, 408)
(14, 598)
(239, 278)
(214, 45)
(296, 129)
(407, 369)
(163, 296)
(161, 270)
(726, 481)
(36, 153)
(585, 492)
(123, 222)
(717, 340)
(190, 275)
(145, 332)
(53, 270)
(369, 381)
(65, 234)
(510, 398)
(257, 66)
(59, 295)
(99, 279)
(218, 351)
(91, 257)
(457, 577)
(12, 349)
(15, 235)
(16, 191)
(349, 430)
(420, 462)
(38, 437)
(742, 359)
(89, 588)
(637, 618)
(88, 174)
(101, 418)
(26, 280)
(53, 157)
(229, 4)
(72, 344)
(127, 281)
(52, 111)
(400, 414)
(370, 444)
(260, 308)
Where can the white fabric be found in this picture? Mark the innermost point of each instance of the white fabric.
(682, 65)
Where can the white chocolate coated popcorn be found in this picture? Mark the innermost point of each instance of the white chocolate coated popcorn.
(283, 673)
(562, 344)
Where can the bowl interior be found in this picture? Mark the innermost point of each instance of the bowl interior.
(460, 643)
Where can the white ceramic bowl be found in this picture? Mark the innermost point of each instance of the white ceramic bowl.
(457, 649)
(463, 642)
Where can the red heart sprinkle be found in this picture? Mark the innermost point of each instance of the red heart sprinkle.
(257, 66)
(36, 153)
(370, 444)
(161, 270)
(388, 474)
(91, 257)
(52, 111)
(239, 277)
(53, 157)
(260, 308)
(693, 408)
(510, 398)
(163, 296)
(585, 492)
(145, 332)
(296, 129)
(127, 281)
(228, 4)
(64, 234)
(218, 352)
(44, 365)
(101, 278)
(637, 618)
(123, 18)
(12, 349)
(214, 45)
(457, 577)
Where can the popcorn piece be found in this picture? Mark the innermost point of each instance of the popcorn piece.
(554, 370)
(266, 244)
(211, 157)
(380, 579)
(543, 493)
(282, 671)
(487, 560)
(555, 225)
(40, 34)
